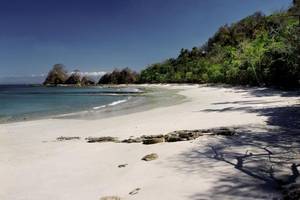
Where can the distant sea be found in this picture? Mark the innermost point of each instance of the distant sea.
(23, 102)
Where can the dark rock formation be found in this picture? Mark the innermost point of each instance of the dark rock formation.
(57, 75)
(74, 79)
(86, 81)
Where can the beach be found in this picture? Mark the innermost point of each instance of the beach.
(34, 165)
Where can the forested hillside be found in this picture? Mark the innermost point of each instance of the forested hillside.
(258, 50)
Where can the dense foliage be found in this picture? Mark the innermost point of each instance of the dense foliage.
(258, 50)
(124, 76)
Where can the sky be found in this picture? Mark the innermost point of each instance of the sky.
(100, 35)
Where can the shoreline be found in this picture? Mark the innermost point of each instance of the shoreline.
(150, 98)
(138, 98)
(34, 165)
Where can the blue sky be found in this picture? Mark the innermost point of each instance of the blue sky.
(99, 35)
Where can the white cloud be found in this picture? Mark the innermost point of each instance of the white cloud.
(39, 78)
(37, 75)
(92, 73)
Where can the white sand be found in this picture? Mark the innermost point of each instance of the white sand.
(33, 166)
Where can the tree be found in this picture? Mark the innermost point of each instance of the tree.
(125, 76)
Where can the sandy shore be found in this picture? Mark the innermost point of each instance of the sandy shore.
(34, 166)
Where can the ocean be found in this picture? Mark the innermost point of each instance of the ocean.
(23, 102)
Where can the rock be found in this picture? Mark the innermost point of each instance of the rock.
(154, 140)
(182, 135)
(132, 140)
(57, 75)
(149, 157)
(63, 138)
(86, 81)
(151, 136)
(110, 198)
(204, 131)
(173, 138)
(189, 135)
(102, 139)
(74, 78)
(135, 191)
(224, 131)
(123, 165)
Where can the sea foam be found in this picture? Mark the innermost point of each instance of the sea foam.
(111, 104)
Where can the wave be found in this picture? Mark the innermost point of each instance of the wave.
(118, 102)
(111, 104)
(99, 107)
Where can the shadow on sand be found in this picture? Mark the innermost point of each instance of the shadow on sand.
(264, 159)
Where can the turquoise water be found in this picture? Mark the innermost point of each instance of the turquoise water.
(20, 102)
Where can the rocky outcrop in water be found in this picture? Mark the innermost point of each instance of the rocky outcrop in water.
(74, 79)
(86, 81)
(57, 75)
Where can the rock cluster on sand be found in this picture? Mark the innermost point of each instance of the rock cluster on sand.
(149, 157)
(102, 139)
(153, 139)
(132, 140)
(223, 131)
(175, 136)
(64, 138)
(182, 135)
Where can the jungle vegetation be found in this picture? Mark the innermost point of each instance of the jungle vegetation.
(258, 50)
